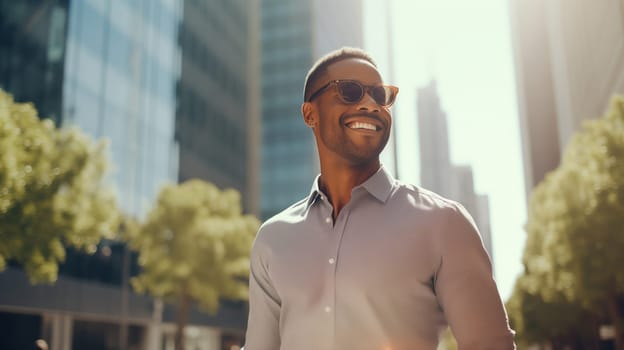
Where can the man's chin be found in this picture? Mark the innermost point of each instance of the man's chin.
(364, 159)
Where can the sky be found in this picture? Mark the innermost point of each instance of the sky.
(466, 47)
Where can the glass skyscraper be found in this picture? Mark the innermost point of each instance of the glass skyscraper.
(121, 68)
(288, 150)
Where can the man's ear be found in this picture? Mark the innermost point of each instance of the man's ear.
(308, 111)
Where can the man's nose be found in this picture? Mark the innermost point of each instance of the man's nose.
(368, 103)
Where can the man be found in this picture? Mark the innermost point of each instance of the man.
(366, 262)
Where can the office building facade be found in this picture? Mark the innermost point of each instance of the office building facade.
(121, 66)
(218, 116)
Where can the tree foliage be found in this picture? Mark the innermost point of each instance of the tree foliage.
(557, 320)
(575, 232)
(52, 191)
(194, 245)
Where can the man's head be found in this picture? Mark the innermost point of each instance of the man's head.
(319, 68)
(347, 107)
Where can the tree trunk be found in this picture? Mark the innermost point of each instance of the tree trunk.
(613, 308)
(181, 318)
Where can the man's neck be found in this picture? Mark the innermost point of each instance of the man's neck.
(337, 181)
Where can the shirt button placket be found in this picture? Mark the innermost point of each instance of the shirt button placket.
(329, 308)
(337, 235)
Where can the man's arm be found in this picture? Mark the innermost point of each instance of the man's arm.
(466, 289)
(264, 306)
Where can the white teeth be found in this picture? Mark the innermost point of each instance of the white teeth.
(360, 125)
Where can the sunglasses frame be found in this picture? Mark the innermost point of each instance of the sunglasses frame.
(366, 89)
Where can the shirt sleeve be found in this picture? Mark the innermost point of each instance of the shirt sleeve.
(264, 305)
(466, 289)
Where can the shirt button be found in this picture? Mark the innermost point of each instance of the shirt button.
(328, 220)
(322, 198)
(332, 260)
(327, 309)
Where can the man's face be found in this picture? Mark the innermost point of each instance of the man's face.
(344, 130)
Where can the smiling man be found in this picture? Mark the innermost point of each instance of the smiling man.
(365, 261)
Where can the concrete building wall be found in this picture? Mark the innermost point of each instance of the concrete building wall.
(587, 51)
(534, 85)
(569, 58)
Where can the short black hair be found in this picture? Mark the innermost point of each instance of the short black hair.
(320, 66)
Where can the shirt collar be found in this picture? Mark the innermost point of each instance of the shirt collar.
(379, 185)
(315, 192)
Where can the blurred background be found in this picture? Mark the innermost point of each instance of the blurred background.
(491, 94)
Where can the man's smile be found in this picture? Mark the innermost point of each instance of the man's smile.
(363, 126)
(364, 122)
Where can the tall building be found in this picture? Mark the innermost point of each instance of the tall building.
(32, 49)
(121, 66)
(116, 69)
(437, 173)
(218, 116)
(569, 58)
(294, 34)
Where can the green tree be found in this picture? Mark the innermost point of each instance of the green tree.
(52, 191)
(558, 322)
(575, 226)
(194, 246)
(595, 229)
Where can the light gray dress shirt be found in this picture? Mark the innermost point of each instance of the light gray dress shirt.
(397, 265)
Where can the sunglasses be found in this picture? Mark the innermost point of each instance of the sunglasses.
(352, 91)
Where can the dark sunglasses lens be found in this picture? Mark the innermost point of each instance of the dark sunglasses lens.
(350, 91)
(380, 95)
(383, 95)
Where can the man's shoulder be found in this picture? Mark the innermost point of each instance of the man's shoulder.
(292, 215)
(435, 211)
(423, 198)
